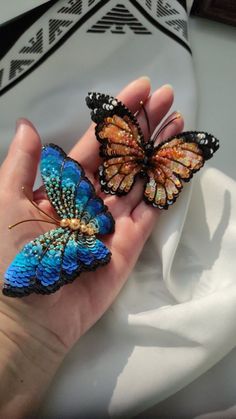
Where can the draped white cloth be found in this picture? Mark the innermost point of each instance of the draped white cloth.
(175, 317)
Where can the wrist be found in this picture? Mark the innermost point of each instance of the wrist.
(29, 358)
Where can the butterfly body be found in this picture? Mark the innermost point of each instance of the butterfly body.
(60, 255)
(126, 154)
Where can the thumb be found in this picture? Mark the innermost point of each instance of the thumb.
(20, 166)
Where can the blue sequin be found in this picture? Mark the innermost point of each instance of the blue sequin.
(100, 251)
(83, 193)
(51, 162)
(70, 262)
(22, 270)
(104, 223)
(94, 206)
(71, 174)
(48, 270)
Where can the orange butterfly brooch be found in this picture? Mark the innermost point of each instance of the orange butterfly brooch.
(126, 154)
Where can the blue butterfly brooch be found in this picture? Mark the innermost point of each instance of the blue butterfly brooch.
(126, 155)
(57, 257)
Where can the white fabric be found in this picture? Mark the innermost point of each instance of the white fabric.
(189, 4)
(174, 319)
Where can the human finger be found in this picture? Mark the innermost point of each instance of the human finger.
(20, 166)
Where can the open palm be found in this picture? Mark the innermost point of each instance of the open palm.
(64, 316)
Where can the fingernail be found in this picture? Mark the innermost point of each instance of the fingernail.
(23, 122)
(19, 123)
(167, 86)
(144, 78)
(178, 114)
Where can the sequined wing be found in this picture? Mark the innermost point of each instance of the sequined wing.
(52, 260)
(58, 256)
(70, 191)
(37, 267)
(175, 161)
(60, 176)
(122, 143)
(88, 250)
(91, 211)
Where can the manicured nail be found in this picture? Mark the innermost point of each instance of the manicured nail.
(19, 123)
(178, 114)
(23, 122)
(167, 86)
(144, 78)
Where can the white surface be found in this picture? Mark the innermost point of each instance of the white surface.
(214, 55)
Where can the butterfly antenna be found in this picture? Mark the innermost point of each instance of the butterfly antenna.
(146, 116)
(37, 207)
(33, 219)
(54, 220)
(177, 116)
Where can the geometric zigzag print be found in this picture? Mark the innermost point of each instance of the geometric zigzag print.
(117, 21)
(170, 16)
(35, 44)
(43, 37)
(65, 16)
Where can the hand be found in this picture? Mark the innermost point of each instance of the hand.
(46, 327)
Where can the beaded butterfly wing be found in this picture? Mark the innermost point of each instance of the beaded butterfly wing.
(60, 255)
(126, 154)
